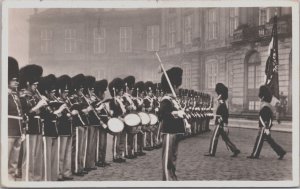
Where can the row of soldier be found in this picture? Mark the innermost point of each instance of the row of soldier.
(58, 126)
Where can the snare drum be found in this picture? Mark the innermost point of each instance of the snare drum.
(132, 121)
(145, 120)
(115, 125)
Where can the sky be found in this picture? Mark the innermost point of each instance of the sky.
(18, 34)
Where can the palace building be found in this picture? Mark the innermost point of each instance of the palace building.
(228, 45)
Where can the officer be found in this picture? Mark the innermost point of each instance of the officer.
(172, 122)
(148, 107)
(32, 103)
(100, 88)
(64, 127)
(221, 122)
(265, 125)
(16, 132)
(116, 87)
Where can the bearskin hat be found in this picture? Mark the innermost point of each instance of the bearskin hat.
(117, 84)
(265, 93)
(63, 83)
(47, 83)
(175, 76)
(30, 74)
(13, 68)
(149, 86)
(77, 82)
(100, 86)
(129, 82)
(222, 90)
(139, 87)
(181, 92)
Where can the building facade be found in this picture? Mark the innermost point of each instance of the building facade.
(212, 45)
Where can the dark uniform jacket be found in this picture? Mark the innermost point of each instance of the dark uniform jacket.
(64, 123)
(28, 101)
(170, 124)
(49, 120)
(222, 111)
(15, 115)
(115, 106)
(79, 104)
(93, 120)
(265, 116)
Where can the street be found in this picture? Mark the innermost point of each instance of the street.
(193, 165)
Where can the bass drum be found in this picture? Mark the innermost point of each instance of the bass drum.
(132, 121)
(153, 119)
(115, 125)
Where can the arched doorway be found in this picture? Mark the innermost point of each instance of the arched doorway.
(253, 80)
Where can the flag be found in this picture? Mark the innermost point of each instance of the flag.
(271, 70)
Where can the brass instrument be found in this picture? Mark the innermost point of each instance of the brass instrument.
(78, 115)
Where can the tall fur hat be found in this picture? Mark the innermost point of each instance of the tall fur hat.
(139, 87)
(13, 68)
(265, 93)
(149, 86)
(222, 90)
(30, 74)
(117, 84)
(129, 82)
(100, 86)
(175, 76)
(47, 83)
(64, 83)
(77, 82)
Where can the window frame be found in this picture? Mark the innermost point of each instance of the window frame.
(70, 40)
(233, 20)
(46, 41)
(125, 40)
(212, 24)
(211, 73)
(171, 33)
(99, 40)
(188, 28)
(153, 37)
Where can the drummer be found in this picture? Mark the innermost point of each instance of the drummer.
(116, 87)
(130, 108)
(149, 108)
(138, 94)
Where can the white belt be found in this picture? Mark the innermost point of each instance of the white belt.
(37, 117)
(15, 117)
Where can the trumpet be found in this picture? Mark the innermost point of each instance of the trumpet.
(78, 115)
(93, 109)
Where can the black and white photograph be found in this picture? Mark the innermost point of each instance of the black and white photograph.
(108, 93)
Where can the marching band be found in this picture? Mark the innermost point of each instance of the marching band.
(59, 126)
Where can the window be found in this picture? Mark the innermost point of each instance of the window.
(188, 29)
(187, 75)
(254, 105)
(70, 40)
(264, 16)
(172, 34)
(46, 41)
(211, 71)
(125, 39)
(229, 74)
(212, 24)
(233, 20)
(153, 38)
(99, 40)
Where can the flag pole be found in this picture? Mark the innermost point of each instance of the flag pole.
(166, 75)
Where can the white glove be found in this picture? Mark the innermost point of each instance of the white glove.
(23, 137)
(267, 131)
(41, 103)
(74, 112)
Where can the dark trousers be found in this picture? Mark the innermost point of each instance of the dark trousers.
(14, 147)
(140, 142)
(261, 137)
(102, 145)
(130, 144)
(169, 156)
(219, 130)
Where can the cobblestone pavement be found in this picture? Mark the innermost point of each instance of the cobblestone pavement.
(192, 165)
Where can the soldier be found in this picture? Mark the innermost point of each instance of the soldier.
(172, 122)
(138, 94)
(16, 132)
(32, 103)
(130, 107)
(116, 87)
(265, 125)
(100, 88)
(221, 122)
(148, 107)
(94, 123)
(64, 127)
(49, 115)
(79, 111)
